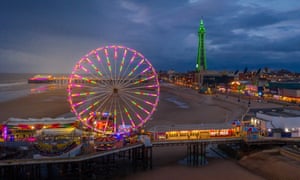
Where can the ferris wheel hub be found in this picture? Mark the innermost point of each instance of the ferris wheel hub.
(115, 90)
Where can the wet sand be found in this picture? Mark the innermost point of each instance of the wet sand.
(176, 106)
(272, 165)
(47, 104)
(166, 166)
(216, 169)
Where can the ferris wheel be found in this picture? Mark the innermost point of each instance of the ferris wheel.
(113, 89)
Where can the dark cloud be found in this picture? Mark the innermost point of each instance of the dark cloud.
(257, 19)
(51, 35)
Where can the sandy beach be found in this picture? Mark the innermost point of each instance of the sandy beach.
(186, 106)
(176, 106)
(47, 104)
(272, 165)
(180, 105)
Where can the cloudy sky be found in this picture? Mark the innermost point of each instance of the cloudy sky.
(52, 35)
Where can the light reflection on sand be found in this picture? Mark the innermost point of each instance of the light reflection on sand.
(45, 88)
(177, 102)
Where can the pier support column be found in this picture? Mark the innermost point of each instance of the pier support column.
(196, 154)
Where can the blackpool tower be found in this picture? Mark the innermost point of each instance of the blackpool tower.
(201, 58)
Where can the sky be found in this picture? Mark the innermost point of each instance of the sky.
(50, 36)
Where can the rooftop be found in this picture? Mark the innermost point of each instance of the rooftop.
(279, 112)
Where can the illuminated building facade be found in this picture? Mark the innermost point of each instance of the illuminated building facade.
(276, 122)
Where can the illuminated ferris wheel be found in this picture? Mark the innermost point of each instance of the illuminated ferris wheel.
(113, 89)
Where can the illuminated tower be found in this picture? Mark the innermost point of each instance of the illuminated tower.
(201, 59)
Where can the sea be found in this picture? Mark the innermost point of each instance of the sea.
(15, 85)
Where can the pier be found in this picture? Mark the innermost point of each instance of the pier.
(130, 158)
(104, 164)
(60, 80)
(63, 80)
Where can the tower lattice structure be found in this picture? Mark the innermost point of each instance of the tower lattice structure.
(201, 57)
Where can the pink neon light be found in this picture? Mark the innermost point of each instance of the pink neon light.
(115, 54)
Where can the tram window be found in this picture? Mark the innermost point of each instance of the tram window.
(183, 134)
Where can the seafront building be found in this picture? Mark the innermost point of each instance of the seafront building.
(275, 122)
(269, 87)
(289, 90)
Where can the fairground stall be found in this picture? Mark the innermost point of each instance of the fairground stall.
(17, 129)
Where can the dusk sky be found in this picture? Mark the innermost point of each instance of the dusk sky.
(52, 35)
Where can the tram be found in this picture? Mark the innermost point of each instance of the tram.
(194, 132)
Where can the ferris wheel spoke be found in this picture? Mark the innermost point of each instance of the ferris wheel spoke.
(148, 87)
(76, 104)
(112, 110)
(136, 97)
(82, 94)
(110, 103)
(81, 85)
(104, 84)
(129, 117)
(115, 115)
(103, 92)
(108, 62)
(85, 105)
(89, 99)
(97, 71)
(131, 60)
(89, 107)
(133, 79)
(135, 68)
(121, 114)
(130, 79)
(136, 104)
(101, 63)
(121, 66)
(122, 62)
(127, 112)
(139, 117)
(87, 70)
(128, 65)
(94, 67)
(144, 93)
(104, 102)
(134, 111)
(144, 79)
(85, 79)
(89, 93)
(86, 86)
(141, 100)
(115, 64)
(84, 110)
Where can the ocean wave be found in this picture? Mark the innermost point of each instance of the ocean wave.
(12, 84)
